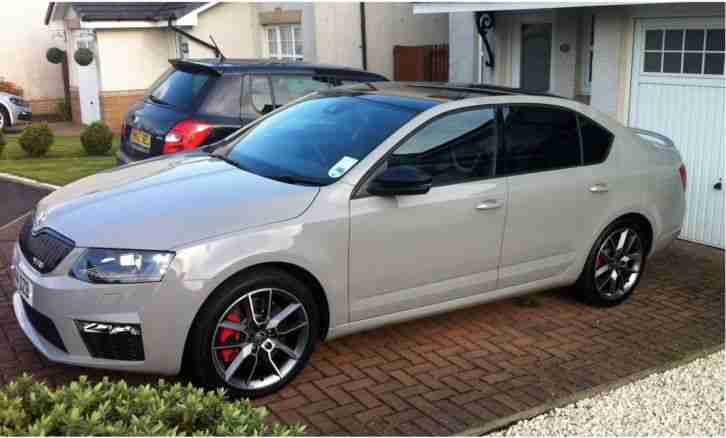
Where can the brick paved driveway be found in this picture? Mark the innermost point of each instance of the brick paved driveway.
(445, 374)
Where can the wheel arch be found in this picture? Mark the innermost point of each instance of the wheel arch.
(299, 272)
(634, 215)
(8, 113)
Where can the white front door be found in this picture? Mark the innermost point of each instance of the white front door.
(678, 89)
(88, 81)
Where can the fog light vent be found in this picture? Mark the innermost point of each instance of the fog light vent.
(106, 340)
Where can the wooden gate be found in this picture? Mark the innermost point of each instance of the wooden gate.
(421, 63)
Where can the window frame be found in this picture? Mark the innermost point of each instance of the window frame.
(323, 78)
(278, 41)
(247, 96)
(682, 51)
(582, 142)
(360, 190)
(545, 105)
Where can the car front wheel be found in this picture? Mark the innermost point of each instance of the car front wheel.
(615, 264)
(255, 334)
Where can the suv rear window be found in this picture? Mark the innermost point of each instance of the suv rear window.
(179, 88)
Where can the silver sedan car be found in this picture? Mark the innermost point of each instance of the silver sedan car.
(348, 209)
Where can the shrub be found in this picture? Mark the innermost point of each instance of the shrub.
(36, 139)
(63, 108)
(105, 408)
(2, 144)
(54, 55)
(97, 139)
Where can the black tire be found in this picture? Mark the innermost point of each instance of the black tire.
(4, 119)
(586, 284)
(205, 325)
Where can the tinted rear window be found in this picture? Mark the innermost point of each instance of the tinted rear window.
(179, 89)
(596, 141)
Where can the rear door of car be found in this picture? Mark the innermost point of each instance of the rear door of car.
(541, 158)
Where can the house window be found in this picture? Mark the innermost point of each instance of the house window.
(684, 51)
(284, 41)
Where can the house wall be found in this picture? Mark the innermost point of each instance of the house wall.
(132, 59)
(233, 25)
(337, 34)
(392, 24)
(24, 39)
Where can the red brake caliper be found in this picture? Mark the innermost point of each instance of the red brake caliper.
(599, 261)
(228, 336)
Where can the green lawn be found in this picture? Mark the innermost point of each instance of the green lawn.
(65, 162)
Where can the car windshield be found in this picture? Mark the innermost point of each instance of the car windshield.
(317, 141)
(178, 88)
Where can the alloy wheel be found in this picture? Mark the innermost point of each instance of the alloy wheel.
(618, 263)
(260, 338)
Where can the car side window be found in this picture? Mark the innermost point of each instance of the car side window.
(457, 147)
(596, 141)
(538, 138)
(258, 96)
(287, 88)
(225, 98)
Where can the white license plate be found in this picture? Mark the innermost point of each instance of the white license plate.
(24, 286)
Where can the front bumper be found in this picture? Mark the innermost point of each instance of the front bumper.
(163, 312)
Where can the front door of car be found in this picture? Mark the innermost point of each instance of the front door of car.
(414, 251)
(541, 156)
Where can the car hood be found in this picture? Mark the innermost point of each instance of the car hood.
(167, 202)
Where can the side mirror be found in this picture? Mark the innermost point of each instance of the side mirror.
(400, 180)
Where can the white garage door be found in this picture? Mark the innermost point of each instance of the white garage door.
(678, 89)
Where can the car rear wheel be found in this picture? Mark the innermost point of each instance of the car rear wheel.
(255, 334)
(615, 264)
(4, 118)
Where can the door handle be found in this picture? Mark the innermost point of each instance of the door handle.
(717, 186)
(489, 204)
(599, 188)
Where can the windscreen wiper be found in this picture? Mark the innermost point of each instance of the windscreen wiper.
(296, 179)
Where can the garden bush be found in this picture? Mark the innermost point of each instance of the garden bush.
(36, 139)
(97, 139)
(115, 408)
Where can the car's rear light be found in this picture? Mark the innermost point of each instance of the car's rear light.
(187, 134)
(684, 176)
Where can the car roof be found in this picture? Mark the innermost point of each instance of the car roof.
(433, 92)
(221, 66)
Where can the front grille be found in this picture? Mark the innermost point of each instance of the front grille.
(108, 341)
(44, 326)
(44, 249)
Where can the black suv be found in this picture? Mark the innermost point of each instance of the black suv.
(198, 102)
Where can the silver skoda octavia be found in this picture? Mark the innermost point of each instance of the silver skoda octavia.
(348, 209)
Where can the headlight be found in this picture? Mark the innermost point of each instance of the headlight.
(18, 101)
(98, 265)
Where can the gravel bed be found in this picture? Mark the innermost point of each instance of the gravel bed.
(688, 400)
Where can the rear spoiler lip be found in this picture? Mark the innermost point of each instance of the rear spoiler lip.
(195, 66)
(659, 140)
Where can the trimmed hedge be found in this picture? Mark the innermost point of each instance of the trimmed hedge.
(105, 408)
(36, 139)
(97, 139)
